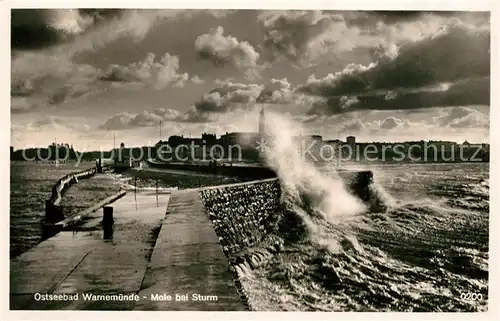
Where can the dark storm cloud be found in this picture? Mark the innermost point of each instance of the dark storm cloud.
(22, 88)
(41, 28)
(20, 105)
(65, 93)
(469, 92)
(458, 57)
(367, 18)
(458, 54)
(302, 36)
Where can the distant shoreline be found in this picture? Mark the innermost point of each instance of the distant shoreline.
(346, 162)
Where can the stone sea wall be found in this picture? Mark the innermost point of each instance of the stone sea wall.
(243, 215)
(254, 224)
(246, 219)
(247, 216)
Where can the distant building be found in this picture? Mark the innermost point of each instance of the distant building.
(237, 138)
(316, 137)
(333, 142)
(209, 139)
(234, 145)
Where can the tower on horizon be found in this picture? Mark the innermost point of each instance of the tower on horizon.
(262, 123)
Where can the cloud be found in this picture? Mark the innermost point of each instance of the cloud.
(291, 33)
(367, 19)
(462, 117)
(233, 96)
(40, 28)
(62, 94)
(22, 87)
(439, 123)
(451, 55)
(54, 58)
(197, 80)
(351, 80)
(65, 80)
(309, 37)
(463, 93)
(123, 121)
(354, 126)
(158, 74)
(450, 68)
(71, 31)
(21, 105)
(304, 36)
(279, 91)
(222, 50)
(50, 87)
(56, 123)
(108, 26)
(390, 123)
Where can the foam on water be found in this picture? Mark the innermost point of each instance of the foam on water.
(430, 245)
(307, 191)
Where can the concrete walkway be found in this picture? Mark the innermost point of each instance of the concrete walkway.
(183, 268)
(82, 262)
(188, 262)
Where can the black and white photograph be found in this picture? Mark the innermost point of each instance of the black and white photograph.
(249, 160)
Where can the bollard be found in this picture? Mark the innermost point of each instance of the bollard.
(157, 204)
(53, 213)
(48, 207)
(135, 192)
(107, 218)
(107, 222)
(99, 166)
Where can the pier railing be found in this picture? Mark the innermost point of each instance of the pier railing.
(75, 219)
(53, 209)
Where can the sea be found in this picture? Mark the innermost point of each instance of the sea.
(428, 251)
(31, 184)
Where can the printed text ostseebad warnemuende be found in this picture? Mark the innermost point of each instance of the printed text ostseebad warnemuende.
(86, 297)
(122, 297)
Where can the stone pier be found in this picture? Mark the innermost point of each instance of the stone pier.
(82, 261)
(188, 260)
(184, 262)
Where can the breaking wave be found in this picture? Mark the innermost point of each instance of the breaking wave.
(428, 248)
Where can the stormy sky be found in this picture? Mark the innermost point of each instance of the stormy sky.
(85, 74)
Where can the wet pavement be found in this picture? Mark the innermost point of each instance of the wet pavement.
(152, 261)
(188, 263)
(84, 262)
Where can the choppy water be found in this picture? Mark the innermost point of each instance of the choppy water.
(31, 184)
(425, 253)
(422, 254)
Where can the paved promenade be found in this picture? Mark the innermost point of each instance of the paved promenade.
(184, 261)
(188, 260)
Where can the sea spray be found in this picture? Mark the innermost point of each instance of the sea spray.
(309, 193)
